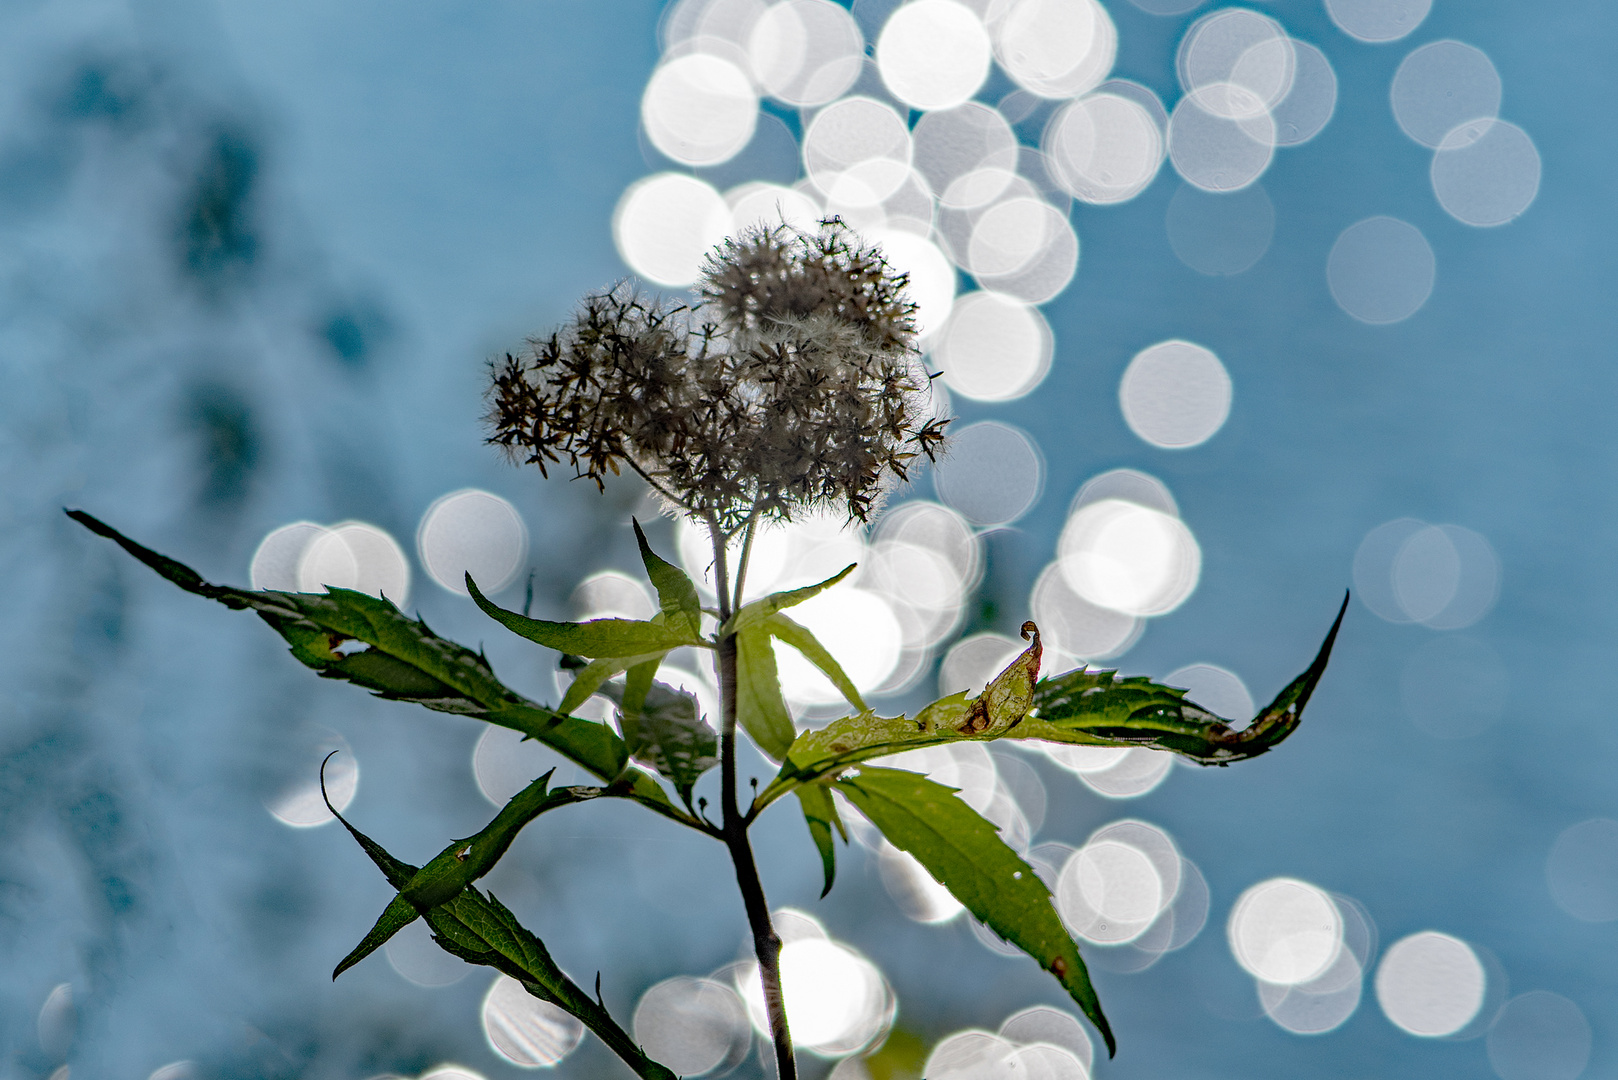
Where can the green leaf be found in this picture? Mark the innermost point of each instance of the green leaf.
(798, 636)
(464, 861)
(760, 708)
(596, 638)
(666, 732)
(595, 674)
(682, 612)
(820, 813)
(399, 914)
(405, 661)
(764, 607)
(1083, 708)
(1093, 708)
(965, 854)
(632, 701)
(481, 930)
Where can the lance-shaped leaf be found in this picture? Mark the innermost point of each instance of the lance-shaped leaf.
(760, 708)
(596, 638)
(764, 607)
(665, 731)
(481, 930)
(463, 862)
(592, 676)
(676, 593)
(403, 660)
(1092, 707)
(1084, 708)
(798, 636)
(964, 853)
(820, 813)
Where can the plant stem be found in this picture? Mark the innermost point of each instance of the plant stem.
(747, 554)
(766, 942)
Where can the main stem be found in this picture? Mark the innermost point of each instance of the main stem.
(766, 942)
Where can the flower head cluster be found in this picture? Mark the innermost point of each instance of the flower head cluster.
(794, 382)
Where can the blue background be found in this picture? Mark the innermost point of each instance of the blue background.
(252, 258)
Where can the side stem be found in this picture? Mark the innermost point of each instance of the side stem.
(766, 942)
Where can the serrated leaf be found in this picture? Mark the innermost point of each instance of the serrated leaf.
(666, 731)
(764, 607)
(799, 637)
(464, 861)
(820, 813)
(965, 854)
(760, 708)
(1094, 708)
(595, 638)
(404, 661)
(1082, 708)
(676, 594)
(481, 930)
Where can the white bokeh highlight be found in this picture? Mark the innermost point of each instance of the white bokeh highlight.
(1175, 394)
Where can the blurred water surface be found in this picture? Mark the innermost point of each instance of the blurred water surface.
(253, 258)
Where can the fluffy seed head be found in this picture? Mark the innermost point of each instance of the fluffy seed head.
(794, 382)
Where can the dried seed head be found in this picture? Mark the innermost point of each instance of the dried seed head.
(794, 383)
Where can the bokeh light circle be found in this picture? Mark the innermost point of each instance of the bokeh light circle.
(666, 224)
(275, 561)
(1430, 984)
(691, 1025)
(1381, 270)
(1175, 394)
(1582, 870)
(805, 52)
(856, 626)
(1486, 173)
(913, 889)
(993, 473)
(1074, 626)
(699, 109)
(1539, 1036)
(1053, 1027)
(1054, 48)
(472, 532)
(1216, 152)
(1236, 48)
(1024, 247)
(300, 804)
(1103, 148)
(1442, 86)
(857, 151)
(1219, 690)
(358, 556)
(994, 347)
(1220, 233)
(416, 958)
(1110, 891)
(525, 1030)
(932, 278)
(1378, 20)
(1121, 555)
(1307, 107)
(933, 54)
(760, 205)
(1284, 931)
(1444, 576)
(837, 1001)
